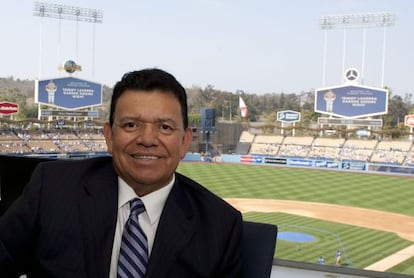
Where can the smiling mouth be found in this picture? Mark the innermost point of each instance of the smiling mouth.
(145, 157)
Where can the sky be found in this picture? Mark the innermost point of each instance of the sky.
(258, 47)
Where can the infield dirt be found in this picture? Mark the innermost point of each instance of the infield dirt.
(399, 224)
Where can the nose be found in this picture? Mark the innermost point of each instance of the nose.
(147, 135)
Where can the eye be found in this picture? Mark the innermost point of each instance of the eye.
(129, 126)
(166, 128)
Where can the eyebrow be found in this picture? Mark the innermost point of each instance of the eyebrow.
(139, 118)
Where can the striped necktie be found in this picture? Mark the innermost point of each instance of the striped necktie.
(133, 254)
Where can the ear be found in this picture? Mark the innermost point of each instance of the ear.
(108, 136)
(187, 139)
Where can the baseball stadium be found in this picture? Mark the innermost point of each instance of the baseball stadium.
(332, 168)
(325, 192)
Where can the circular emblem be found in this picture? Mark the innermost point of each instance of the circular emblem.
(70, 66)
(352, 74)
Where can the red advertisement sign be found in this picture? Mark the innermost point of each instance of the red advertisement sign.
(246, 159)
(8, 108)
(409, 120)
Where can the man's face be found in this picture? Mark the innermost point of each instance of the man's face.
(147, 139)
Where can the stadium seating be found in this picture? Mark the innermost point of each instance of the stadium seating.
(51, 141)
(54, 141)
(396, 152)
(296, 146)
(246, 137)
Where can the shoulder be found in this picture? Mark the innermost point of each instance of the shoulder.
(203, 197)
(70, 166)
(72, 172)
(77, 162)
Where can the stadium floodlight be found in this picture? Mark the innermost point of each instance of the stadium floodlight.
(67, 12)
(365, 20)
(359, 20)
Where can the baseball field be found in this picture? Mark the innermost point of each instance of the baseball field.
(368, 218)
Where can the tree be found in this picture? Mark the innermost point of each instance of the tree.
(397, 109)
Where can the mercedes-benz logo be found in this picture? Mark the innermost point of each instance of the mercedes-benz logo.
(351, 74)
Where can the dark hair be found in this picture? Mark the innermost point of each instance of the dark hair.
(150, 80)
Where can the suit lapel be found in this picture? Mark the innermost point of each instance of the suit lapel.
(98, 212)
(175, 229)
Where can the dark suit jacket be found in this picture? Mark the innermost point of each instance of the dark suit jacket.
(63, 225)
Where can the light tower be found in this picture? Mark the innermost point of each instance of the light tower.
(361, 20)
(65, 12)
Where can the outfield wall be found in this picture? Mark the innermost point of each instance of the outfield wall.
(358, 166)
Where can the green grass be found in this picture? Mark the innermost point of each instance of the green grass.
(361, 247)
(381, 192)
(404, 268)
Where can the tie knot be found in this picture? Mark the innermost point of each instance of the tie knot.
(136, 206)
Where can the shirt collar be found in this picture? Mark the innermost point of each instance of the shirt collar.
(154, 202)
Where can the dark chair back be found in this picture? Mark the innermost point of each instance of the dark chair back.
(15, 172)
(258, 249)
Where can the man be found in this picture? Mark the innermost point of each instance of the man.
(72, 217)
(338, 257)
(321, 260)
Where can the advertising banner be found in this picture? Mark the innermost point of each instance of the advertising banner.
(326, 164)
(409, 120)
(351, 101)
(359, 166)
(275, 160)
(342, 121)
(68, 93)
(300, 162)
(251, 159)
(8, 108)
(288, 116)
(63, 113)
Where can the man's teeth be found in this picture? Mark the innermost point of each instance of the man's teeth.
(146, 157)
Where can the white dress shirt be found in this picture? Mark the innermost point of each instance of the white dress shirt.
(148, 220)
